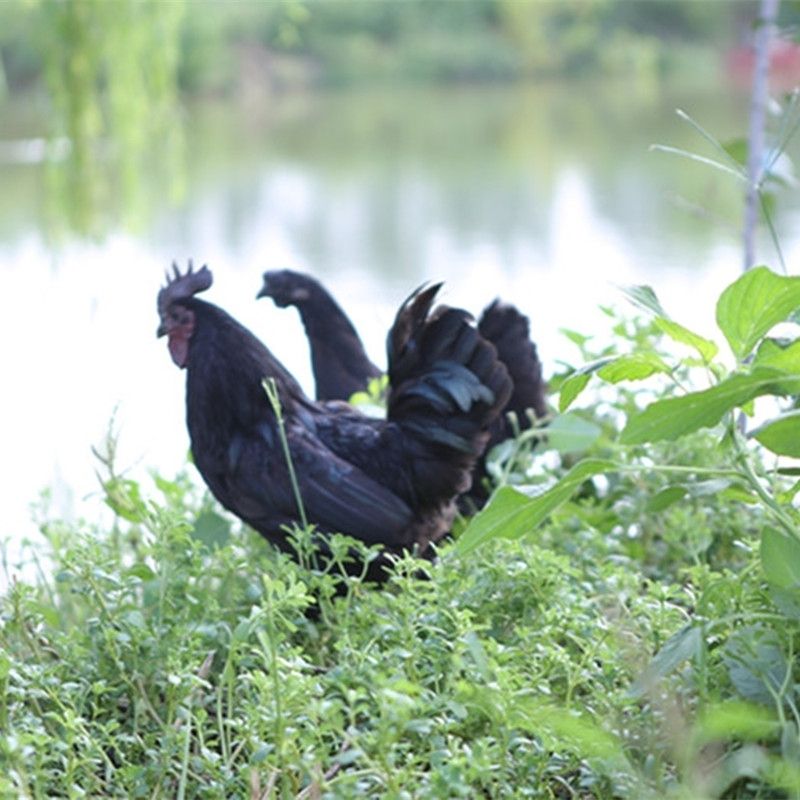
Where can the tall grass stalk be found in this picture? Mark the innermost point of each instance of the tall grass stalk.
(270, 387)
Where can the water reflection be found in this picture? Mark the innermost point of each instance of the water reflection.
(546, 196)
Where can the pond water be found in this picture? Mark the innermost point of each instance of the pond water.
(546, 195)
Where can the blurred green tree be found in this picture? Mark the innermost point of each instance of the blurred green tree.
(110, 69)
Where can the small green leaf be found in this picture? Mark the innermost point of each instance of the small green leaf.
(674, 417)
(753, 304)
(644, 297)
(135, 619)
(579, 339)
(739, 494)
(49, 613)
(737, 149)
(665, 498)
(478, 653)
(569, 433)
(686, 643)
(633, 367)
(575, 383)
(511, 514)
(141, 570)
(678, 333)
(570, 389)
(780, 559)
(781, 435)
(241, 632)
(212, 529)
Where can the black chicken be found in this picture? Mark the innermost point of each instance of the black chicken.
(391, 482)
(342, 367)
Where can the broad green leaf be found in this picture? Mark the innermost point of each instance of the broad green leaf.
(705, 347)
(754, 304)
(756, 663)
(735, 719)
(780, 559)
(674, 417)
(633, 367)
(778, 354)
(511, 514)
(665, 498)
(569, 433)
(781, 435)
(686, 643)
(576, 382)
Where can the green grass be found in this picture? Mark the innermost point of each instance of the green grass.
(150, 663)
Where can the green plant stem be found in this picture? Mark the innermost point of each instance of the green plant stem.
(743, 459)
(678, 470)
(185, 759)
(772, 232)
(272, 393)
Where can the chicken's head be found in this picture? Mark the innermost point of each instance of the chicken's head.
(177, 320)
(286, 287)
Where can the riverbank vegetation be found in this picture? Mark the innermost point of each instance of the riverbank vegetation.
(221, 45)
(621, 621)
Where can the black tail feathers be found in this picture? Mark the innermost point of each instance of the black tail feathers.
(447, 384)
(509, 331)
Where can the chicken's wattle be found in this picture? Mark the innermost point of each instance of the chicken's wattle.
(178, 344)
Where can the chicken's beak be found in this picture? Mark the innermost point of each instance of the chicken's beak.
(263, 292)
(162, 330)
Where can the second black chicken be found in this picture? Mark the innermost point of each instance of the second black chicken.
(341, 365)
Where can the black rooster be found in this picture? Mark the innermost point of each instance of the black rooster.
(391, 482)
(342, 367)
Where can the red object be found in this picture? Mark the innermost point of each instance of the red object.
(784, 64)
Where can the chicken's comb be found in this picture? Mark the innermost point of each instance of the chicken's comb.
(179, 287)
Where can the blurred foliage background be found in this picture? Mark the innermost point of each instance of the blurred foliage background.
(202, 46)
(108, 76)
